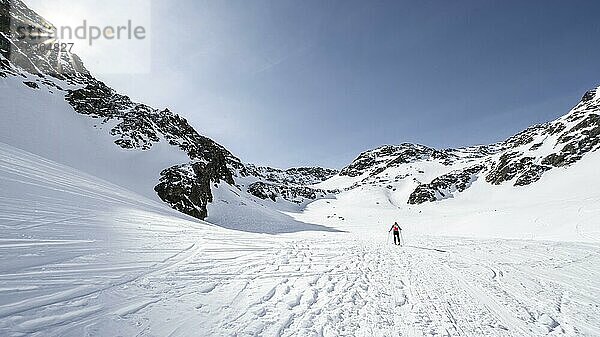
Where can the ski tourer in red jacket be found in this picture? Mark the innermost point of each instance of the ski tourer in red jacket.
(396, 229)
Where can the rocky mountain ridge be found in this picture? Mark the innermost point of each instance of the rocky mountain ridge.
(428, 174)
(520, 160)
(137, 127)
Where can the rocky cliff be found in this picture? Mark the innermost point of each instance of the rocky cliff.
(138, 127)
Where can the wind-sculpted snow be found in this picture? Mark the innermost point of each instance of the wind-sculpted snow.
(83, 255)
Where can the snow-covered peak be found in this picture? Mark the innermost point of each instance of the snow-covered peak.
(591, 95)
(376, 161)
(432, 174)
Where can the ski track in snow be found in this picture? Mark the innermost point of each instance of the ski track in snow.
(82, 257)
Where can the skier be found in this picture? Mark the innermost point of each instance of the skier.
(396, 230)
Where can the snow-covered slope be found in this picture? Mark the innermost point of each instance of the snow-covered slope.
(562, 205)
(42, 122)
(521, 160)
(54, 107)
(80, 256)
(87, 248)
(540, 184)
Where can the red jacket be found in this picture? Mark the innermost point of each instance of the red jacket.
(395, 228)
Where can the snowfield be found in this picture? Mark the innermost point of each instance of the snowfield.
(82, 257)
(563, 206)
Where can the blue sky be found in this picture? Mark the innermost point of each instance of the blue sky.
(289, 83)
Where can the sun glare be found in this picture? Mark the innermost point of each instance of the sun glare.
(61, 13)
(90, 27)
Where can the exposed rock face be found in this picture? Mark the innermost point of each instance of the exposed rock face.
(32, 85)
(520, 160)
(582, 138)
(135, 126)
(187, 188)
(292, 184)
(382, 158)
(532, 174)
(588, 96)
(567, 140)
(22, 52)
(139, 126)
(444, 186)
(507, 168)
(292, 193)
(296, 176)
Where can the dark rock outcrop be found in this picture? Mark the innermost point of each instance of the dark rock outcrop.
(589, 95)
(187, 188)
(512, 165)
(296, 176)
(582, 138)
(31, 84)
(137, 127)
(442, 187)
(292, 193)
(531, 174)
(521, 159)
(378, 160)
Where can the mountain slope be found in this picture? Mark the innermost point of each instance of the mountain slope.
(55, 108)
(537, 184)
(81, 256)
(433, 175)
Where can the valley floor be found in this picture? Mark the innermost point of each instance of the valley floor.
(81, 257)
(311, 286)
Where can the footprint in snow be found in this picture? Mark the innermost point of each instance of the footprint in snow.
(548, 321)
(295, 302)
(260, 312)
(269, 295)
(207, 288)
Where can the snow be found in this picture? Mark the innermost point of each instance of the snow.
(42, 122)
(87, 249)
(562, 206)
(234, 209)
(80, 256)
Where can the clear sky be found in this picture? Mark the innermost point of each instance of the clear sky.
(289, 83)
